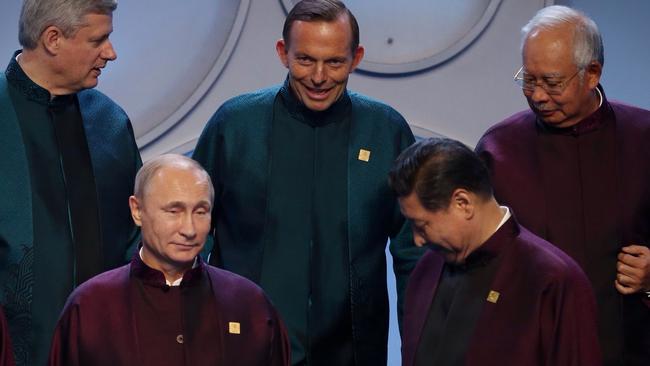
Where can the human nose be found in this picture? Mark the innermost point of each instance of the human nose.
(319, 75)
(188, 227)
(108, 53)
(539, 94)
(418, 239)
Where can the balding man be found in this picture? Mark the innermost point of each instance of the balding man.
(167, 307)
(575, 169)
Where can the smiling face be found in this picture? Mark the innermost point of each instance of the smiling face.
(548, 56)
(320, 60)
(174, 214)
(80, 58)
(445, 229)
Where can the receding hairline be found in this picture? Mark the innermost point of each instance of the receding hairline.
(154, 167)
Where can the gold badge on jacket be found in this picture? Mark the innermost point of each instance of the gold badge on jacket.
(493, 297)
(234, 328)
(364, 155)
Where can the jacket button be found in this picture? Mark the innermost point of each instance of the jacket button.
(179, 338)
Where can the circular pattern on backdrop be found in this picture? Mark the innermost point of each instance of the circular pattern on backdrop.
(162, 75)
(404, 37)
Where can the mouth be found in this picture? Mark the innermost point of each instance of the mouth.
(544, 112)
(186, 246)
(98, 69)
(318, 93)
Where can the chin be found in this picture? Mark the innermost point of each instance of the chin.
(318, 105)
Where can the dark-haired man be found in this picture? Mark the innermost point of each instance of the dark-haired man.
(304, 209)
(490, 292)
(68, 158)
(167, 307)
(575, 168)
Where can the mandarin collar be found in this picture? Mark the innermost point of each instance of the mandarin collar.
(155, 278)
(17, 77)
(335, 113)
(599, 118)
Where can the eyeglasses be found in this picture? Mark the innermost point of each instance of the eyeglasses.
(551, 85)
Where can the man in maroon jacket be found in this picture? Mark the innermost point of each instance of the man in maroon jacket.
(490, 292)
(167, 307)
(575, 168)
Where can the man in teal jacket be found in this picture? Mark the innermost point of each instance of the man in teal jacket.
(68, 160)
(304, 208)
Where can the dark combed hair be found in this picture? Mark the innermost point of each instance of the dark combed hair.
(434, 168)
(320, 10)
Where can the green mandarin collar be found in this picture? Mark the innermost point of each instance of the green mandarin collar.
(335, 113)
(19, 80)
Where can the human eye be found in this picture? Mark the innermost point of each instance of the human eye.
(98, 41)
(552, 83)
(304, 60)
(336, 62)
(528, 80)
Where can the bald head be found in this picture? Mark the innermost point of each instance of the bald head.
(154, 166)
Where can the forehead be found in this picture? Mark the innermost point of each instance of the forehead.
(334, 35)
(177, 184)
(549, 51)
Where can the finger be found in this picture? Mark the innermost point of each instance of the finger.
(628, 270)
(636, 250)
(628, 281)
(631, 260)
(623, 289)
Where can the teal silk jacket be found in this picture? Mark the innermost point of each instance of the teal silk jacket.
(115, 160)
(235, 149)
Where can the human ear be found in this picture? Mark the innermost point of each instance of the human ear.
(281, 49)
(136, 211)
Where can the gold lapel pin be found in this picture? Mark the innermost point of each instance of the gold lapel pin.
(364, 155)
(234, 328)
(493, 297)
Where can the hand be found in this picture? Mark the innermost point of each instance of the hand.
(633, 269)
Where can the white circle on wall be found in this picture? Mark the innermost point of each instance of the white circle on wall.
(408, 36)
(169, 55)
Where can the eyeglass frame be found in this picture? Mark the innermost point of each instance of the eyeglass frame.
(518, 78)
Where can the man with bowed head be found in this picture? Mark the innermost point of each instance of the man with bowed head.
(69, 159)
(304, 208)
(167, 307)
(575, 169)
(489, 292)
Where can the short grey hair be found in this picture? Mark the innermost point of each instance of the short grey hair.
(151, 167)
(587, 41)
(67, 15)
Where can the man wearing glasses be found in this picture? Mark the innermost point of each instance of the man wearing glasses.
(575, 170)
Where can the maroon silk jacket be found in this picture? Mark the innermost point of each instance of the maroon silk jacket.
(545, 313)
(585, 189)
(98, 326)
(6, 352)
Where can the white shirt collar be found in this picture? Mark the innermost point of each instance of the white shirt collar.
(178, 281)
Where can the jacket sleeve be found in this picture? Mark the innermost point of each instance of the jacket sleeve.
(134, 237)
(280, 352)
(402, 248)
(207, 153)
(568, 322)
(64, 350)
(6, 350)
